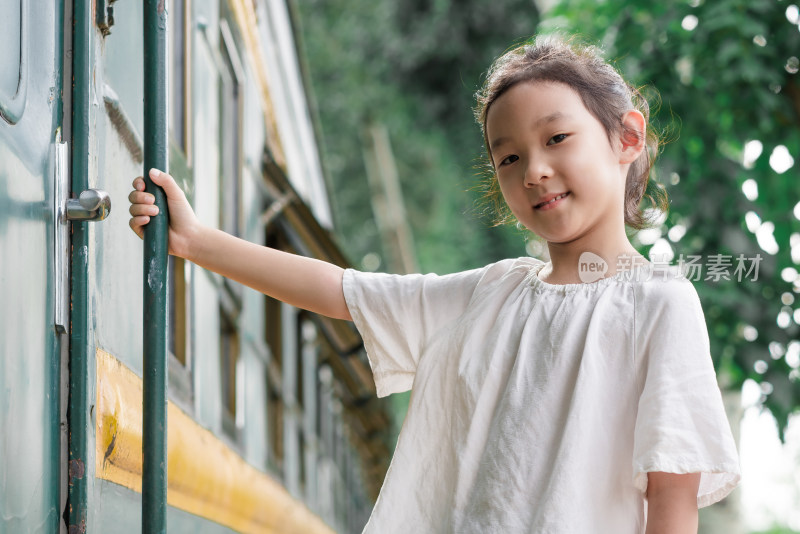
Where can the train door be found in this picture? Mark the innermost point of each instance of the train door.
(31, 343)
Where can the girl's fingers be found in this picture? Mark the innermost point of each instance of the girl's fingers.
(143, 209)
(142, 206)
(139, 197)
(136, 224)
(167, 182)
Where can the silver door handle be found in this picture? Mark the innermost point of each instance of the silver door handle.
(91, 205)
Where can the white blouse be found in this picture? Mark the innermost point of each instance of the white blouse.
(538, 407)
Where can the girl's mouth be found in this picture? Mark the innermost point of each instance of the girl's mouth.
(551, 203)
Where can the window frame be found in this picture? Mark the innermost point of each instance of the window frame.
(232, 80)
(181, 272)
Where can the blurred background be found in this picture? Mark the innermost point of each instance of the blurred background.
(393, 86)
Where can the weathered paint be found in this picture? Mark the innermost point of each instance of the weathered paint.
(30, 349)
(123, 124)
(121, 511)
(206, 478)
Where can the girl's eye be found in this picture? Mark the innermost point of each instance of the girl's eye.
(510, 159)
(557, 139)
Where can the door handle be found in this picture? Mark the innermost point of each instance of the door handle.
(91, 205)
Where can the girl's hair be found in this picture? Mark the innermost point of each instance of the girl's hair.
(604, 93)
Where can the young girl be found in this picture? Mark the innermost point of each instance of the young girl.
(541, 401)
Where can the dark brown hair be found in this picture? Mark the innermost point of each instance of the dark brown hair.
(604, 93)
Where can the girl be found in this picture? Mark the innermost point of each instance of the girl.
(542, 401)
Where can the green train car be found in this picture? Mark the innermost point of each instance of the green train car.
(273, 422)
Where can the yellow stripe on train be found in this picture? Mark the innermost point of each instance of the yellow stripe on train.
(205, 477)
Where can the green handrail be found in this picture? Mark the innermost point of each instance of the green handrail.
(79, 354)
(154, 477)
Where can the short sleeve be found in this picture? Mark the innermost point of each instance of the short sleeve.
(681, 425)
(399, 315)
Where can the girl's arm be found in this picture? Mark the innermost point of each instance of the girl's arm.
(672, 503)
(307, 283)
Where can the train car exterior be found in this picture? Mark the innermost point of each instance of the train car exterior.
(274, 425)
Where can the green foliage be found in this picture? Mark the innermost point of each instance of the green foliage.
(413, 66)
(777, 530)
(727, 81)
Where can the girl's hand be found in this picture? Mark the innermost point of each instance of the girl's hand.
(303, 282)
(183, 224)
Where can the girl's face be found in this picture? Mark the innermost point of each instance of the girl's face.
(544, 143)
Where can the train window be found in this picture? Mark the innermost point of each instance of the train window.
(180, 374)
(178, 309)
(179, 61)
(307, 394)
(324, 422)
(273, 333)
(293, 410)
(229, 359)
(301, 328)
(275, 429)
(180, 294)
(232, 78)
(299, 363)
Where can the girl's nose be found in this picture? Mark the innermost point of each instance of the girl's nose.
(532, 179)
(535, 173)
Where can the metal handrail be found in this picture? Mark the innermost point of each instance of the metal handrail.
(79, 354)
(156, 276)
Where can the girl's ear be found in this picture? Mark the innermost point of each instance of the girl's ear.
(633, 136)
